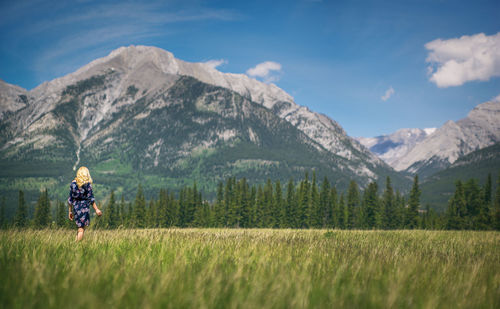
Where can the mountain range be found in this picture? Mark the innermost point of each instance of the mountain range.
(428, 151)
(139, 115)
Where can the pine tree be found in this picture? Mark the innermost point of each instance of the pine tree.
(130, 215)
(389, 205)
(413, 204)
(244, 204)
(496, 209)
(425, 223)
(290, 205)
(333, 220)
(162, 209)
(259, 206)
(42, 210)
(278, 206)
(3, 219)
(343, 213)
(220, 213)
(211, 222)
(61, 215)
(152, 214)
(173, 207)
(488, 202)
(314, 220)
(237, 204)
(229, 203)
(111, 216)
(303, 200)
(234, 215)
(183, 207)
(122, 214)
(352, 204)
(373, 210)
(268, 220)
(488, 190)
(196, 201)
(431, 219)
(457, 209)
(483, 219)
(252, 201)
(189, 202)
(201, 215)
(139, 209)
(473, 202)
(398, 217)
(325, 211)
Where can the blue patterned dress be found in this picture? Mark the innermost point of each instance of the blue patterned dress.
(81, 199)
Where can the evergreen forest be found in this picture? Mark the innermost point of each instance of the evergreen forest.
(309, 203)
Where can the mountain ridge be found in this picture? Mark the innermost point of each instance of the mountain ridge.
(425, 154)
(81, 118)
(481, 128)
(325, 130)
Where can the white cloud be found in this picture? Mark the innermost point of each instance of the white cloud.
(388, 93)
(215, 63)
(496, 99)
(460, 60)
(269, 71)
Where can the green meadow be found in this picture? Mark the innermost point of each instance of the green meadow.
(249, 268)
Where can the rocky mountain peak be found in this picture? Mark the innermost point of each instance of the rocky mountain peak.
(139, 60)
(481, 128)
(144, 58)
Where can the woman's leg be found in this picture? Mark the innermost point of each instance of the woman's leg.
(79, 235)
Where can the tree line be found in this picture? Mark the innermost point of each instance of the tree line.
(306, 204)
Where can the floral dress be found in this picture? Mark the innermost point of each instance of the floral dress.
(81, 199)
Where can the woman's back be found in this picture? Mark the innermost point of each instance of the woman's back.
(83, 193)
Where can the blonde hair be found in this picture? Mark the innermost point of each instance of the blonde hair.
(82, 176)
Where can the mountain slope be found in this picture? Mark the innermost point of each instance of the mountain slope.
(481, 128)
(140, 115)
(438, 188)
(392, 147)
(133, 61)
(12, 98)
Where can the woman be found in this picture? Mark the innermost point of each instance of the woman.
(80, 199)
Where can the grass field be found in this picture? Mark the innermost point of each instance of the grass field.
(219, 268)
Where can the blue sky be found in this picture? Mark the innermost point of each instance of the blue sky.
(373, 66)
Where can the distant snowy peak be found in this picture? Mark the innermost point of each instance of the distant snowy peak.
(429, 131)
(481, 128)
(392, 147)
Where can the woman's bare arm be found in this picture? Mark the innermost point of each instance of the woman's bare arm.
(70, 212)
(97, 210)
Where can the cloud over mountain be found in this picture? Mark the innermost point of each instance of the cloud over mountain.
(268, 71)
(215, 63)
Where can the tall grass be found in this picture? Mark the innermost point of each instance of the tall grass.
(219, 268)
